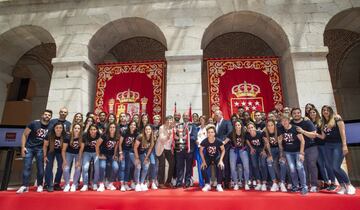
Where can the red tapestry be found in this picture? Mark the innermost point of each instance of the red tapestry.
(253, 83)
(133, 88)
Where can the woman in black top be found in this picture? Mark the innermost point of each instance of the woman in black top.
(333, 132)
(256, 143)
(106, 151)
(52, 150)
(72, 150)
(212, 152)
(142, 149)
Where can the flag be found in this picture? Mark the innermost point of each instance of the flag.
(250, 104)
(190, 114)
(174, 108)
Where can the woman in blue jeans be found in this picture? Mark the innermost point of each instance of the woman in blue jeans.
(142, 150)
(238, 153)
(333, 133)
(276, 165)
(72, 150)
(126, 151)
(256, 143)
(89, 140)
(292, 146)
(106, 148)
(325, 170)
(52, 151)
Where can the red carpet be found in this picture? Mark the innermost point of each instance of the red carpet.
(178, 199)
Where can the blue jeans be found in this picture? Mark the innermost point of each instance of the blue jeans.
(325, 170)
(87, 157)
(297, 170)
(242, 155)
(277, 168)
(37, 153)
(49, 176)
(106, 163)
(154, 166)
(334, 157)
(125, 165)
(259, 165)
(198, 163)
(141, 167)
(71, 158)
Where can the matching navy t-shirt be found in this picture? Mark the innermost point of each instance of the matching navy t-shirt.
(332, 135)
(290, 141)
(74, 146)
(256, 141)
(37, 134)
(128, 141)
(212, 149)
(260, 126)
(107, 146)
(273, 141)
(238, 142)
(306, 125)
(67, 124)
(142, 149)
(90, 142)
(57, 144)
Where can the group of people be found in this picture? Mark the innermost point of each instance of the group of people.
(278, 151)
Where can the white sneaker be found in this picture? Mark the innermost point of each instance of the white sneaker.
(39, 189)
(101, 188)
(258, 187)
(249, 182)
(67, 188)
(263, 187)
(107, 183)
(247, 187)
(73, 188)
(111, 187)
(254, 183)
(206, 188)
(22, 189)
(342, 190)
(173, 182)
(240, 184)
(350, 190)
(236, 187)
(144, 187)
(282, 187)
(219, 188)
(133, 185)
(289, 186)
(84, 188)
(274, 187)
(122, 188)
(138, 188)
(94, 187)
(153, 186)
(127, 188)
(313, 189)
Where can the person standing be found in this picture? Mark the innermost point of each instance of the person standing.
(259, 123)
(201, 135)
(102, 122)
(63, 113)
(223, 130)
(32, 142)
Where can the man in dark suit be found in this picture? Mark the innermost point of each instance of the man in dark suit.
(223, 130)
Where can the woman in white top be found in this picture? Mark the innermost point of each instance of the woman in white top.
(201, 135)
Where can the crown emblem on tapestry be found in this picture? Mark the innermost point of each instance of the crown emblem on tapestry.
(245, 89)
(128, 96)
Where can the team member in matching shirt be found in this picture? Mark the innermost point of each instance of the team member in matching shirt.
(71, 152)
(255, 142)
(333, 133)
(276, 164)
(89, 140)
(239, 154)
(126, 152)
(52, 150)
(212, 152)
(142, 150)
(106, 149)
(32, 142)
(292, 146)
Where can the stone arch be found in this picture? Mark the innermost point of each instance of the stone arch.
(26, 52)
(271, 40)
(342, 37)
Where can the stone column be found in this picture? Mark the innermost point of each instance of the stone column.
(73, 85)
(5, 79)
(183, 82)
(312, 77)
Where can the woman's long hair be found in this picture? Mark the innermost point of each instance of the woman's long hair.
(267, 132)
(107, 132)
(317, 121)
(331, 121)
(53, 136)
(144, 139)
(72, 136)
(242, 133)
(88, 136)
